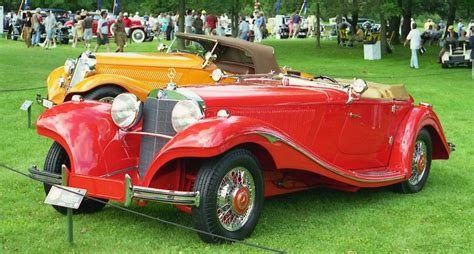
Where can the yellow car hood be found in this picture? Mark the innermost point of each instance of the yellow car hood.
(178, 60)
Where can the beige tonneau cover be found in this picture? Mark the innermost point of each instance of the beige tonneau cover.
(263, 57)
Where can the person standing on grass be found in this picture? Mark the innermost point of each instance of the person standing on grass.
(259, 22)
(87, 23)
(49, 25)
(102, 32)
(188, 24)
(120, 34)
(415, 44)
(471, 41)
(198, 25)
(36, 23)
(26, 32)
(244, 29)
(296, 24)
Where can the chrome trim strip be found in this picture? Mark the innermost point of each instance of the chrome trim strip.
(148, 134)
(273, 138)
(118, 172)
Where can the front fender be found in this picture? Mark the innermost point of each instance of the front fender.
(55, 92)
(210, 138)
(402, 152)
(86, 131)
(134, 86)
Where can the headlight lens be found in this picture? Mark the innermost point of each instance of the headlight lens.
(185, 113)
(126, 110)
(69, 66)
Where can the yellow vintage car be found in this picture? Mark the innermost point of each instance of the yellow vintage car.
(206, 60)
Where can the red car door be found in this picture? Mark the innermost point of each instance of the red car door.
(367, 134)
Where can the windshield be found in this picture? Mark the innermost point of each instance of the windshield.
(193, 47)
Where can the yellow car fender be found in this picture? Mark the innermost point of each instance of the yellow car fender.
(140, 89)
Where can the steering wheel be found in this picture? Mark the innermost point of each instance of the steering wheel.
(326, 77)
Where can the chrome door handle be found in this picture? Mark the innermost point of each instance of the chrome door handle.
(352, 115)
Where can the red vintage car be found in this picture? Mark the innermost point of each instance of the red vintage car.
(217, 151)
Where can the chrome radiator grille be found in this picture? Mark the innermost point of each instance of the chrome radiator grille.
(156, 119)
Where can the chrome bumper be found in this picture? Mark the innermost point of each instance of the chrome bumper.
(45, 177)
(189, 198)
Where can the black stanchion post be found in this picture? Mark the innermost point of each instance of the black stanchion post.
(69, 210)
(26, 106)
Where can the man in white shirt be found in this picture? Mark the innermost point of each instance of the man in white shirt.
(415, 44)
(102, 32)
(49, 25)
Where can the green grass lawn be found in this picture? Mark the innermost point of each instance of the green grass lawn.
(438, 219)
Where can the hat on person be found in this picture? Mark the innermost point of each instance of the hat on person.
(38, 10)
(450, 28)
(203, 12)
(125, 14)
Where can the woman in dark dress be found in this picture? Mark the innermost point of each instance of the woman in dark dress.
(27, 30)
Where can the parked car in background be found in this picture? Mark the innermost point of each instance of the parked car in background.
(208, 59)
(138, 32)
(216, 151)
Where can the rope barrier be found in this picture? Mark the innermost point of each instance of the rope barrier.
(149, 216)
(21, 89)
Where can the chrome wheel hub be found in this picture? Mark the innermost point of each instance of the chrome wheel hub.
(418, 165)
(235, 199)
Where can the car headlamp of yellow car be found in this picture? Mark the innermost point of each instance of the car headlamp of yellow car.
(185, 113)
(126, 110)
(69, 66)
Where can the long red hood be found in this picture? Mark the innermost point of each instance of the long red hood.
(266, 94)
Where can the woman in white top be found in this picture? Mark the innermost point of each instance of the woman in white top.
(415, 44)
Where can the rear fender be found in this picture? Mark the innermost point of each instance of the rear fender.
(402, 152)
(131, 85)
(90, 137)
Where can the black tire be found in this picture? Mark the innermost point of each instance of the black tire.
(208, 181)
(56, 157)
(412, 186)
(444, 66)
(105, 93)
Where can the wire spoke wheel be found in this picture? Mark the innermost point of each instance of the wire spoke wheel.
(235, 198)
(418, 165)
(107, 99)
(231, 191)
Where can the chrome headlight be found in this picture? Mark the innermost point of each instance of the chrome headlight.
(126, 110)
(69, 66)
(185, 113)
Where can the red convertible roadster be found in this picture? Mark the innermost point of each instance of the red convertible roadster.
(217, 151)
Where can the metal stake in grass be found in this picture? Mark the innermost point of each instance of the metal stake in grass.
(26, 106)
(69, 210)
